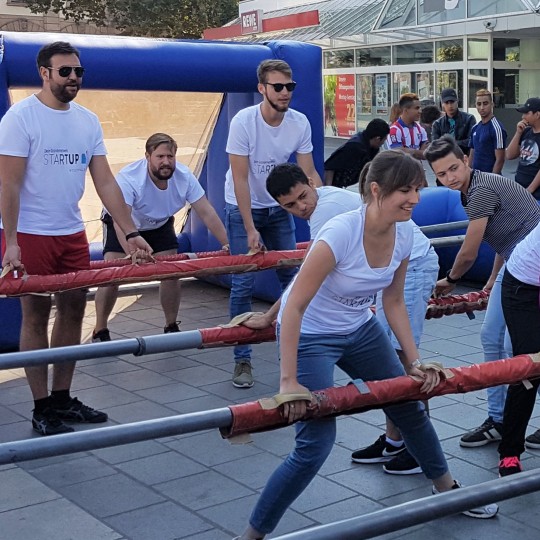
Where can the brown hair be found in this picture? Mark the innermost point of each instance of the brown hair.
(484, 92)
(266, 66)
(406, 100)
(390, 170)
(160, 138)
(395, 112)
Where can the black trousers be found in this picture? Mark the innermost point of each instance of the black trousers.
(521, 308)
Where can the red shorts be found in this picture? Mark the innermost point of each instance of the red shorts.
(44, 255)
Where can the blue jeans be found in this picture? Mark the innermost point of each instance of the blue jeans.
(496, 346)
(276, 227)
(365, 354)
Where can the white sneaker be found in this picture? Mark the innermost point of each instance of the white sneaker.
(482, 512)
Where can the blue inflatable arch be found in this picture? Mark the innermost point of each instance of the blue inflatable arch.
(121, 63)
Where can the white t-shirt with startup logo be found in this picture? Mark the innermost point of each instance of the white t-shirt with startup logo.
(58, 146)
(266, 146)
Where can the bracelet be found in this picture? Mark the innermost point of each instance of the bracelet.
(451, 280)
(416, 363)
(133, 234)
(226, 247)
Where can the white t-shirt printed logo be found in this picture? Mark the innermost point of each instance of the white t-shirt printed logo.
(263, 168)
(356, 302)
(62, 157)
(529, 152)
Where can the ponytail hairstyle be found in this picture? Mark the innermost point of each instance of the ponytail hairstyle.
(390, 170)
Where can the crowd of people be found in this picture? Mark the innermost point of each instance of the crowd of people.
(364, 249)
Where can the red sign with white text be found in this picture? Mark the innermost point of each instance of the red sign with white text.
(345, 106)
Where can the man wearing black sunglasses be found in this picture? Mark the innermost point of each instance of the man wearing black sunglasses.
(47, 143)
(261, 137)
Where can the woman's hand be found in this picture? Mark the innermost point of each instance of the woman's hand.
(430, 377)
(294, 410)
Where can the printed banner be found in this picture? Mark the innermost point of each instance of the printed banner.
(345, 106)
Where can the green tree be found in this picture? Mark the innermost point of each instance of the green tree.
(155, 18)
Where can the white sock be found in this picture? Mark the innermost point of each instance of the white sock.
(395, 444)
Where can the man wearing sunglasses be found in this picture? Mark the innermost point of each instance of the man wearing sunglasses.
(261, 137)
(47, 143)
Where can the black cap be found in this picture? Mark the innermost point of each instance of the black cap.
(533, 104)
(448, 94)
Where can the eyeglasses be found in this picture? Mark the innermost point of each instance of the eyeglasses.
(65, 71)
(278, 87)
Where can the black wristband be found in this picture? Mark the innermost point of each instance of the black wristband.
(450, 280)
(132, 235)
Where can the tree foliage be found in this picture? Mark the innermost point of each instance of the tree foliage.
(155, 18)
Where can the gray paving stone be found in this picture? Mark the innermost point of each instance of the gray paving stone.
(20, 489)
(103, 369)
(138, 411)
(173, 363)
(165, 521)
(138, 380)
(111, 495)
(205, 403)
(129, 452)
(107, 396)
(200, 375)
(319, 493)
(346, 509)
(7, 416)
(160, 468)
(169, 393)
(59, 519)
(448, 348)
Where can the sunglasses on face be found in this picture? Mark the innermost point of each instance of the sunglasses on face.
(278, 87)
(65, 71)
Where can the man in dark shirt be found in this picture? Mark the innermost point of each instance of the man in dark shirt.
(343, 167)
(526, 145)
(456, 123)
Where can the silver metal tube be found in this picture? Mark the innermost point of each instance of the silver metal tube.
(447, 241)
(422, 510)
(138, 346)
(12, 452)
(442, 227)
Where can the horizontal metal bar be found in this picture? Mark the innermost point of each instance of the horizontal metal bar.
(12, 452)
(422, 510)
(447, 241)
(442, 227)
(138, 346)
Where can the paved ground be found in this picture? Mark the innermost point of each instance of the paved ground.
(198, 486)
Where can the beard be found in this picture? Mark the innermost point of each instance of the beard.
(64, 93)
(163, 173)
(277, 106)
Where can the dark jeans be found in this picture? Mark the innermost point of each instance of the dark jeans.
(520, 303)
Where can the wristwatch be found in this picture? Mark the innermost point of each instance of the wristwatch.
(416, 363)
(451, 280)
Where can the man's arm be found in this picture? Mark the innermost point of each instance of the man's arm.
(514, 148)
(12, 171)
(466, 255)
(436, 130)
(305, 162)
(535, 184)
(328, 177)
(240, 172)
(210, 218)
(497, 265)
(465, 141)
(471, 158)
(111, 196)
(499, 160)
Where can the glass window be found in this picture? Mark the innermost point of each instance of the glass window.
(373, 56)
(449, 51)
(450, 78)
(339, 59)
(418, 82)
(433, 11)
(477, 49)
(506, 87)
(414, 53)
(399, 13)
(477, 8)
(372, 98)
(478, 79)
(506, 50)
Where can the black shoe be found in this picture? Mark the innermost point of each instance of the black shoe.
(533, 440)
(488, 432)
(509, 465)
(47, 422)
(102, 335)
(403, 463)
(75, 411)
(171, 328)
(378, 452)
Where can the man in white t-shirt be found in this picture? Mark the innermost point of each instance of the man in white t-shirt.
(47, 143)
(155, 188)
(260, 137)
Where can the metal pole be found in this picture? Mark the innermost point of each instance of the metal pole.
(422, 510)
(12, 452)
(441, 227)
(447, 241)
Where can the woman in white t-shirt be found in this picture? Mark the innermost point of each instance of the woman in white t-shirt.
(325, 321)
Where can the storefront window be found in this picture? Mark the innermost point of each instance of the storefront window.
(477, 49)
(433, 11)
(418, 82)
(373, 56)
(449, 51)
(339, 59)
(372, 97)
(506, 50)
(505, 87)
(477, 8)
(414, 53)
(478, 79)
(451, 78)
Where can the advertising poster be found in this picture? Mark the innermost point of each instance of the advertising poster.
(329, 91)
(364, 83)
(423, 86)
(403, 83)
(381, 94)
(345, 106)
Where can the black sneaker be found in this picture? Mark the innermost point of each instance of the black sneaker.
(171, 328)
(76, 411)
(488, 432)
(102, 335)
(403, 464)
(509, 465)
(47, 422)
(482, 512)
(533, 441)
(378, 452)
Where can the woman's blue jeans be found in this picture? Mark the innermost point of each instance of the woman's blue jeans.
(365, 354)
(276, 227)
